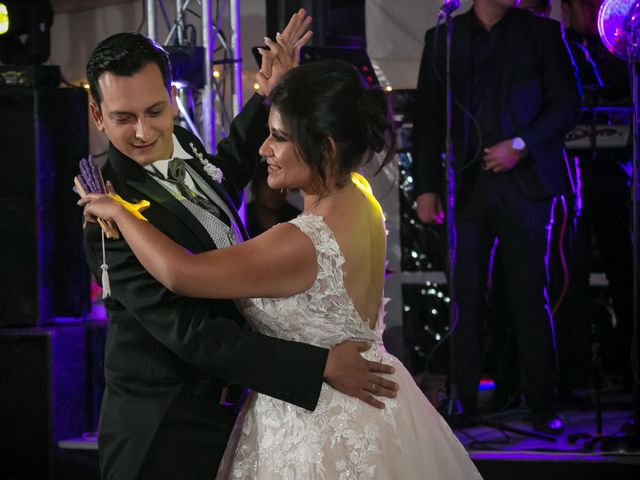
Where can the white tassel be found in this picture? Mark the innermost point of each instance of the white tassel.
(106, 287)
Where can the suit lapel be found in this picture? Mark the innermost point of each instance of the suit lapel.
(461, 70)
(517, 31)
(222, 193)
(194, 163)
(461, 56)
(162, 201)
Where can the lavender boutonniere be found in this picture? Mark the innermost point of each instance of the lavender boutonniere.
(214, 172)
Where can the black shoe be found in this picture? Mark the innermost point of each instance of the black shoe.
(548, 423)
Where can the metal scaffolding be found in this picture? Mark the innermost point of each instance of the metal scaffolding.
(207, 111)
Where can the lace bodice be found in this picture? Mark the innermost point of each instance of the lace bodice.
(324, 315)
(343, 438)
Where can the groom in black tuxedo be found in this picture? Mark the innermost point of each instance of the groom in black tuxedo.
(167, 411)
(516, 96)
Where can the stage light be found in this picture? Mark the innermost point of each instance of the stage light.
(4, 19)
(216, 74)
(25, 31)
(187, 66)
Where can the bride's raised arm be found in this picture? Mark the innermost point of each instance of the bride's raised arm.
(278, 263)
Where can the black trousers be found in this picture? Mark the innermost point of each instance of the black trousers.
(496, 209)
(605, 216)
(191, 439)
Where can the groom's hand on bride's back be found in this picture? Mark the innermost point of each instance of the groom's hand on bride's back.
(348, 372)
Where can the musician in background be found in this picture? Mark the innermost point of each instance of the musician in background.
(541, 8)
(503, 354)
(512, 76)
(603, 205)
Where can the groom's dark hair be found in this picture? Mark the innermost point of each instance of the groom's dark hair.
(125, 54)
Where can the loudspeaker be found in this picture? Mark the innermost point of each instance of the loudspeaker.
(43, 272)
(336, 23)
(45, 396)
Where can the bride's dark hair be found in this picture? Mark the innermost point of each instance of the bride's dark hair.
(327, 99)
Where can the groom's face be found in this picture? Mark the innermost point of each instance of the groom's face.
(136, 113)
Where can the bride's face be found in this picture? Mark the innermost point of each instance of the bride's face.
(286, 168)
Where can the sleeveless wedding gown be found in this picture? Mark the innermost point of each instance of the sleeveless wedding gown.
(344, 438)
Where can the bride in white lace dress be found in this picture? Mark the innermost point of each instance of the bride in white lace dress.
(343, 438)
(317, 279)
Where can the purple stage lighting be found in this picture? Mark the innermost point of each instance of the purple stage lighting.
(618, 20)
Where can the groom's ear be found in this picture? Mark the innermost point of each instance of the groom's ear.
(173, 99)
(96, 114)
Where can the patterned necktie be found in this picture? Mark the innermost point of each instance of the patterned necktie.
(176, 174)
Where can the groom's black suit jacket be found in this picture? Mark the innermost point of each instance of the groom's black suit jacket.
(537, 99)
(160, 343)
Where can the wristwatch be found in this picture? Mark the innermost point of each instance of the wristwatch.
(519, 146)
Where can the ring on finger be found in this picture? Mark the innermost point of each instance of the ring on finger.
(373, 388)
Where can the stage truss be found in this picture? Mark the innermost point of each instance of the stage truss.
(206, 111)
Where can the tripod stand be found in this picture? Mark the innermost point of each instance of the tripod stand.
(619, 28)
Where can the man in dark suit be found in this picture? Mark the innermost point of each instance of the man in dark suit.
(170, 359)
(516, 96)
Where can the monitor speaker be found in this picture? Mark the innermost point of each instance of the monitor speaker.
(45, 381)
(336, 23)
(43, 273)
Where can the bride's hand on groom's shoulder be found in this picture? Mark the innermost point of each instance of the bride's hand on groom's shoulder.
(348, 372)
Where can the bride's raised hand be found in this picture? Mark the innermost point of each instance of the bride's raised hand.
(294, 37)
(284, 53)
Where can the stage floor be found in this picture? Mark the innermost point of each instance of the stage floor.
(499, 454)
(577, 453)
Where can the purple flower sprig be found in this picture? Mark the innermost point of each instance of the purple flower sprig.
(89, 180)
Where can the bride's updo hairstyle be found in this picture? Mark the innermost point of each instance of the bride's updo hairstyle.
(327, 99)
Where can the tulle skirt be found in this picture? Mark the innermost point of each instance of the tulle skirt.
(346, 439)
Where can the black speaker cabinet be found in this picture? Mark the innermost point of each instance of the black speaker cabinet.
(45, 395)
(336, 23)
(43, 273)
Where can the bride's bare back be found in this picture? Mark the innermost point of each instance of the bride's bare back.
(358, 226)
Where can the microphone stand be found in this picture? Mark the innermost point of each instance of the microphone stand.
(635, 351)
(452, 408)
(628, 439)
